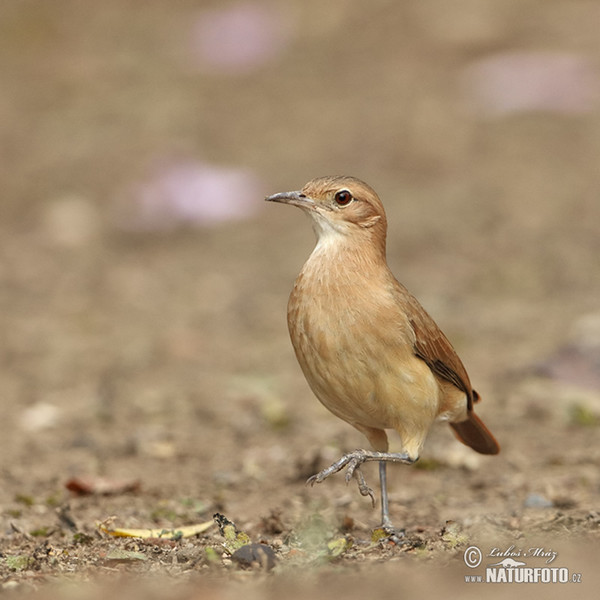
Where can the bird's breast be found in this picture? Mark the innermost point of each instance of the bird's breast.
(355, 346)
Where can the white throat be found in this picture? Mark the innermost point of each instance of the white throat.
(329, 234)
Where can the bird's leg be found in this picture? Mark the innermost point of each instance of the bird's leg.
(393, 534)
(353, 460)
(386, 522)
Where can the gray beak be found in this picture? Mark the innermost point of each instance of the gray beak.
(294, 198)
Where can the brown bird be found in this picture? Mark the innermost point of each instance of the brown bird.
(369, 351)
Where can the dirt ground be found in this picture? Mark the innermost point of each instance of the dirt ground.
(148, 347)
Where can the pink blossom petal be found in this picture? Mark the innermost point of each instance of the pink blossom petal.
(531, 81)
(238, 38)
(192, 193)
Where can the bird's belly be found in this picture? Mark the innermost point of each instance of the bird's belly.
(371, 378)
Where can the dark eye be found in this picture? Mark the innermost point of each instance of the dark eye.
(343, 198)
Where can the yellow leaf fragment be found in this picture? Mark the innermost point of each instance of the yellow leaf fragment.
(234, 538)
(338, 546)
(165, 534)
(379, 534)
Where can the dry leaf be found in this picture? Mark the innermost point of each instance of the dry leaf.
(84, 486)
(165, 534)
(234, 538)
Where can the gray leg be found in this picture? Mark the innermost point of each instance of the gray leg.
(386, 522)
(394, 535)
(352, 462)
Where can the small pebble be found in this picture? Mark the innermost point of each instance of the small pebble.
(537, 501)
(254, 555)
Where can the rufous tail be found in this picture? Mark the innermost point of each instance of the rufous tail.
(475, 434)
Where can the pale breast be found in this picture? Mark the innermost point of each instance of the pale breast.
(356, 351)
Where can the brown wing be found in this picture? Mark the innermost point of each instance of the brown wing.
(433, 347)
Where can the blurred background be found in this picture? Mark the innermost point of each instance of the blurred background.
(144, 281)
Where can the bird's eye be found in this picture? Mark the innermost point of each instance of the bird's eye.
(343, 198)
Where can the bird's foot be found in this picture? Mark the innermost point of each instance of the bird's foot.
(352, 462)
(363, 488)
(391, 536)
(388, 533)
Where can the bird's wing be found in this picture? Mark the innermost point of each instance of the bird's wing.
(433, 347)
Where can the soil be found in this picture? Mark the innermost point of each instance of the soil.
(156, 356)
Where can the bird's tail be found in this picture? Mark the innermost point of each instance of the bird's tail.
(475, 434)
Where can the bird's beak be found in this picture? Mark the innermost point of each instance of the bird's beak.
(294, 198)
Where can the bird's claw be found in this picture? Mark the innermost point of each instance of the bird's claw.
(313, 479)
(352, 462)
(363, 488)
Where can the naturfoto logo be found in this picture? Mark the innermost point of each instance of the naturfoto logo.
(511, 569)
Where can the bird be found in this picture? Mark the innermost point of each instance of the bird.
(369, 351)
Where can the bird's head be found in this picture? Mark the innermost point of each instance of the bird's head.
(340, 206)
